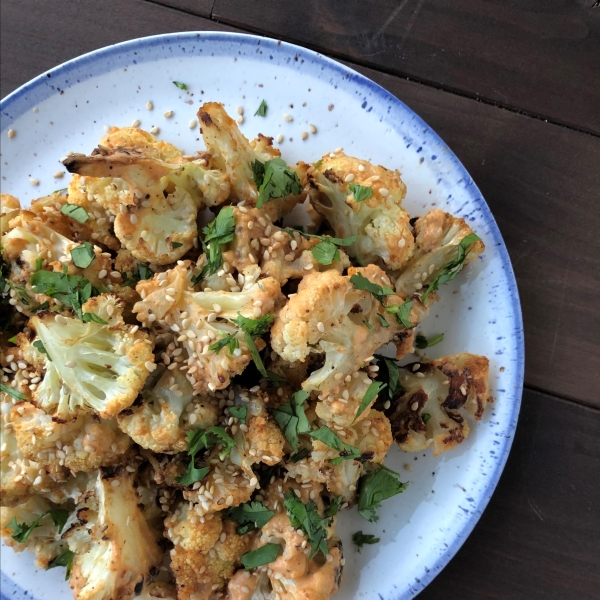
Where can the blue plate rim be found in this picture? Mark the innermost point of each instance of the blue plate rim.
(514, 396)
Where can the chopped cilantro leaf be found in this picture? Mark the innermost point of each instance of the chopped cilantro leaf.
(261, 111)
(261, 556)
(192, 475)
(83, 255)
(250, 516)
(425, 417)
(181, 86)
(379, 484)
(421, 342)
(347, 452)
(372, 391)
(252, 329)
(453, 268)
(12, 392)
(230, 340)
(41, 348)
(389, 375)
(360, 192)
(291, 418)
(298, 456)
(75, 212)
(325, 253)
(140, 272)
(307, 518)
(176, 245)
(277, 180)
(318, 164)
(219, 231)
(59, 516)
(360, 539)
(64, 559)
(239, 412)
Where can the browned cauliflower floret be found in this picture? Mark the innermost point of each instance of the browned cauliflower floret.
(206, 552)
(279, 253)
(202, 319)
(143, 141)
(437, 397)
(330, 316)
(9, 209)
(233, 153)
(80, 443)
(167, 410)
(437, 245)
(362, 200)
(115, 551)
(97, 367)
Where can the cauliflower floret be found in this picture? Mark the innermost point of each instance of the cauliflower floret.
(9, 209)
(164, 416)
(158, 590)
(203, 318)
(438, 235)
(116, 558)
(81, 443)
(158, 224)
(91, 366)
(30, 239)
(329, 315)
(437, 397)
(45, 539)
(379, 222)
(280, 255)
(20, 478)
(233, 153)
(206, 552)
(142, 141)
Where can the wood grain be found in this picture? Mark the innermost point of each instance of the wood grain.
(540, 534)
(202, 8)
(541, 182)
(58, 30)
(539, 56)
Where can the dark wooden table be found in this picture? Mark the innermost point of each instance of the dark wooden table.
(514, 89)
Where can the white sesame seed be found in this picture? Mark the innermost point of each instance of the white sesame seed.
(150, 365)
(338, 150)
(287, 117)
(155, 130)
(115, 274)
(34, 182)
(361, 168)
(418, 286)
(321, 327)
(11, 133)
(312, 129)
(217, 308)
(349, 177)
(383, 192)
(240, 120)
(136, 123)
(308, 267)
(304, 135)
(168, 114)
(401, 243)
(192, 124)
(150, 105)
(71, 364)
(279, 138)
(115, 483)
(133, 219)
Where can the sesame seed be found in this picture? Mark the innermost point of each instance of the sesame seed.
(418, 286)
(308, 267)
(168, 114)
(11, 133)
(149, 105)
(34, 182)
(217, 308)
(71, 364)
(338, 150)
(60, 320)
(115, 274)
(133, 219)
(192, 124)
(349, 177)
(136, 123)
(287, 117)
(115, 483)
(312, 129)
(401, 243)
(150, 366)
(279, 138)
(321, 327)
(240, 120)
(463, 390)
(155, 130)
(387, 404)
(383, 192)
(304, 135)
(361, 168)
(421, 375)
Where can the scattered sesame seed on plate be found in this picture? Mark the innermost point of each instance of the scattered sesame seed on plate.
(192, 123)
(168, 114)
(11, 133)
(149, 105)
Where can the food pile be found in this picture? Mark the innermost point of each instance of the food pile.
(192, 390)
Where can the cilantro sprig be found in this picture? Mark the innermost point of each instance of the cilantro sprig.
(360, 539)
(249, 516)
(254, 328)
(230, 341)
(261, 556)
(83, 256)
(140, 272)
(389, 375)
(327, 250)
(181, 86)
(12, 392)
(291, 419)
(64, 559)
(218, 232)
(360, 192)
(22, 531)
(328, 437)
(421, 342)
(75, 212)
(402, 311)
(373, 390)
(379, 484)
(454, 267)
(274, 179)
(261, 111)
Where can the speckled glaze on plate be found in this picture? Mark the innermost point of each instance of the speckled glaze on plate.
(65, 110)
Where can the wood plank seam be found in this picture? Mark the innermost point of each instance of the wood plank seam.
(563, 398)
(394, 73)
(182, 10)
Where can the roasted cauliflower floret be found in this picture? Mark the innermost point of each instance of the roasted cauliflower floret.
(159, 423)
(45, 540)
(158, 224)
(89, 366)
(205, 554)
(330, 316)
(233, 153)
(9, 209)
(281, 254)
(116, 560)
(142, 141)
(437, 244)
(359, 199)
(81, 443)
(438, 395)
(202, 319)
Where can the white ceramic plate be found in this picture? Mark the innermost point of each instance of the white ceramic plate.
(66, 109)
